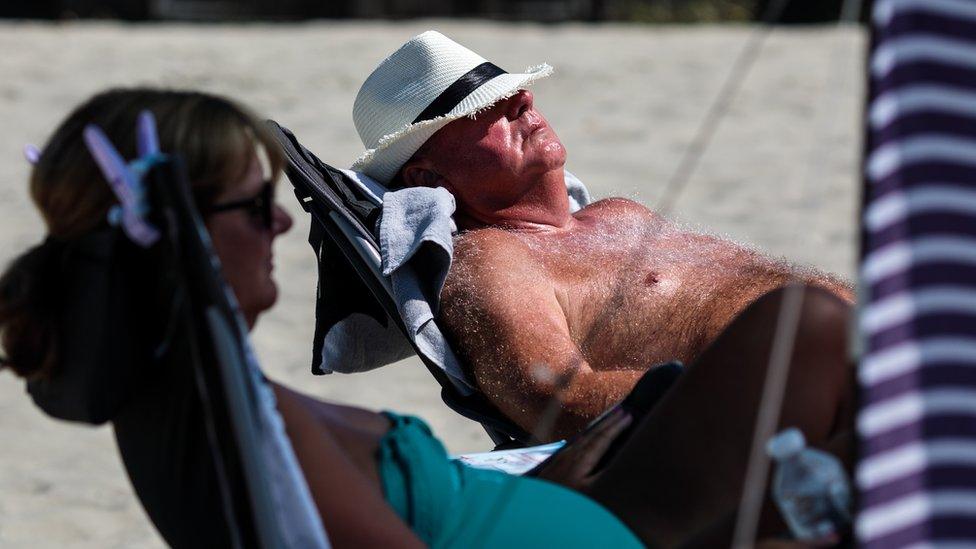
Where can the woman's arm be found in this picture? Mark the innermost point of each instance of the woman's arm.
(357, 431)
(350, 503)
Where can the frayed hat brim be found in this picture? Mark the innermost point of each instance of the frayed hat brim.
(395, 149)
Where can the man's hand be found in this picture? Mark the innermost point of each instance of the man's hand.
(573, 465)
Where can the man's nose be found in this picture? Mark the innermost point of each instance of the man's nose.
(521, 101)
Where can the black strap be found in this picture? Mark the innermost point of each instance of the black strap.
(461, 88)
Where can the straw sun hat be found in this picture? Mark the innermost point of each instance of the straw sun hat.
(420, 88)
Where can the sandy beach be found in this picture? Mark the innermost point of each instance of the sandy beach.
(781, 175)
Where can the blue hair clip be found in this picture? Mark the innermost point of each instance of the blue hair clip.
(126, 180)
(147, 140)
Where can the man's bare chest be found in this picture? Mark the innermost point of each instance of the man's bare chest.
(621, 285)
(637, 289)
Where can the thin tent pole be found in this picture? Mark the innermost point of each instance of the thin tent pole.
(718, 109)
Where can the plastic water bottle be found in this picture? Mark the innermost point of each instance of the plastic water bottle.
(810, 488)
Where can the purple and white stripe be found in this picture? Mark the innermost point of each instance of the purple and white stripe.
(916, 475)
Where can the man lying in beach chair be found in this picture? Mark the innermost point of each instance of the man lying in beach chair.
(537, 294)
(543, 304)
(194, 418)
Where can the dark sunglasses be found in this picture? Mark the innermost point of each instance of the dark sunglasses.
(259, 207)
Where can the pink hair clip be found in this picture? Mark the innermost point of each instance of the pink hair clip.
(126, 179)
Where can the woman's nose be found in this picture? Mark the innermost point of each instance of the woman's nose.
(281, 221)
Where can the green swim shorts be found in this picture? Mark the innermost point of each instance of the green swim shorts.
(449, 504)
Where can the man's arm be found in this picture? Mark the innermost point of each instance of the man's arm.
(501, 311)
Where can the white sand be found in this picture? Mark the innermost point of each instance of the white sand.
(780, 175)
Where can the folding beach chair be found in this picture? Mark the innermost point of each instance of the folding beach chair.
(105, 341)
(344, 237)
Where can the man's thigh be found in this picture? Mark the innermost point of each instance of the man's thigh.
(686, 461)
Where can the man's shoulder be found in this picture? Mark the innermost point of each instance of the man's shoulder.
(492, 257)
(487, 242)
(617, 205)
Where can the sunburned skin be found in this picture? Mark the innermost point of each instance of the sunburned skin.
(632, 288)
(636, 290)
(551, 308)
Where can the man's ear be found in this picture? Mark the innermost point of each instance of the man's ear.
(418, 174)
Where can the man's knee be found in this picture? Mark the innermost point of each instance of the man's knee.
(825, 319)
(822, 318)
(821, 360)
(817, 304)
(820, 337)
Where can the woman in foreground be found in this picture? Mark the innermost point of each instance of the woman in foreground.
(377, 479)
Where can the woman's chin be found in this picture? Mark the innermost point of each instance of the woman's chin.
(270, 298)
(257, 307)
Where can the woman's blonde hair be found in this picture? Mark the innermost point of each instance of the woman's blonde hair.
(216, 139)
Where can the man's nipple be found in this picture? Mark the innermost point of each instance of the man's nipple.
(660, 284)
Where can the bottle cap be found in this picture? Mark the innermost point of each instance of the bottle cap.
(786, 443)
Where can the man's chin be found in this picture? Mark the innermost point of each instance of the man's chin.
(552, 165)
(552, 156)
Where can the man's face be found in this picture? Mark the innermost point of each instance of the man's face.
(495, 158)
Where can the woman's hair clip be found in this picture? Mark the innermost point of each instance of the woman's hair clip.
(32, 154)
(126, 179)
(147, 140)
